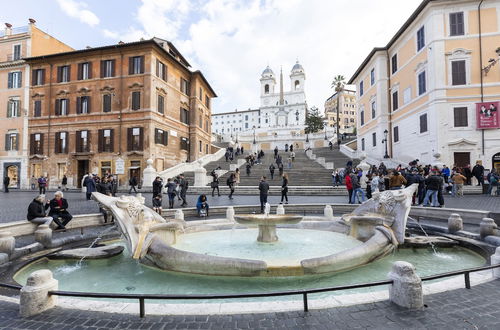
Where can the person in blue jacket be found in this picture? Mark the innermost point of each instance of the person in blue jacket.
(202, 203)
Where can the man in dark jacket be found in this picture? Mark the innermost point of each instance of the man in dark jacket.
(271, 170)
(114, 185)
(132, 183)
(433, 183)
(264, 190)
(183, 184)
(157, 186)
(89, 183)
(59, 210)
(36, 211)
(478, 172)
(6, 182)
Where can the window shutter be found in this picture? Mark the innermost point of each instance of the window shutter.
(456, 117)
(18, 104)
(32, 144)
(78, 105)
(142, 64)
(66, 145)
(130, 65)
(42, 143)
(58, 107)
(80, 71)
(57, 143)
(100, 140)
(165, 138)
(112, 68)
(20, 79)
(69, 72)
(68, 107)
(103, 67)
(43, 76)
(165, 71)
(7, 142)
(16, 146)
(9, 109)
(90, 70)
(157, 68)
(129, 139)
(78, 141)
(89, 141)
(453, 24)
(157, 136)
(89, 102)
(33, 77)
(112, 140)
(59, 74)
(141, 138)
(38, 109)
(10, 82)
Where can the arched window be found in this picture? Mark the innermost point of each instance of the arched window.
(266, 89)
(297, 84)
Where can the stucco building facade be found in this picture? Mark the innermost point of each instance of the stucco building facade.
(347, 111)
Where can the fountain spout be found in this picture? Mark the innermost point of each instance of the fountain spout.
(267, 209)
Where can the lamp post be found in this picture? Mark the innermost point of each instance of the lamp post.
(297, 117)
(307, 137)
(386, 132)
(325, 133)
(491, 62)
(254, 142)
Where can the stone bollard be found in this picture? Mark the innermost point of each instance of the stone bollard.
(455, 223)
(280, 210)
(43, 235)
(179, 215)
(7, 243)
(140, 198)
(406, 289)
(487, 227)
(328, 212)
(34, 295)
(230, 213)
(495, 260)
(4, 258)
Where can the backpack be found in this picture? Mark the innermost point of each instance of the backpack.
(493, 179)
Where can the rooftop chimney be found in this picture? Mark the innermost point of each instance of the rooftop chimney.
(88, 47)
(31, 20)
(8, 29)
(120, 42)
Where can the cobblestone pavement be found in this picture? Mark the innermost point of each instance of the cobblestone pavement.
(14, 205)
(459, 309)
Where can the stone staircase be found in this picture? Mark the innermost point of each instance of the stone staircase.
(339, 159)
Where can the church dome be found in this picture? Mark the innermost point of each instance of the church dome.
(267, 72)
(297, 68)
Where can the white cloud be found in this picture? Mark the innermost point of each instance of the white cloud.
(77, 10)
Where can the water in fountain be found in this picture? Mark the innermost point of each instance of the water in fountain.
(267, 209)
(79, 263)
(425, 233)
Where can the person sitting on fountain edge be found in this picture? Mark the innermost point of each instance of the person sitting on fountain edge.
(157, 203)
(202, 204)
(36, 211)
(59, 210)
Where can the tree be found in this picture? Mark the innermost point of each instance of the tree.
(314, 121)
(338, 85)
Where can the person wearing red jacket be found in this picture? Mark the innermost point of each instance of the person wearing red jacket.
(348, 185)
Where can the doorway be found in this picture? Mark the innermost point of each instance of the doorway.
(135, 170)
(83, 168)
(12, 170)
(461, 159)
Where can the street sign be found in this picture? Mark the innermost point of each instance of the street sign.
(120, 166)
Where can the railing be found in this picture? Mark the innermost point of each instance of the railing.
(303, 293)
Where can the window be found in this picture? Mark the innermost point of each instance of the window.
(107, 68)
(207, 101)
(423, 123)
(83, 104)
(457, 24)
(105, 168)
(106, 140)
(61, 143)
(297, 85)
(396, 133)
(184, 143)
(361, 91)
(62, 107)
(200, 146)
(374, 109)
(372, 77)
(460, 117)
(206, 148)
(246, 117)
(17, 53)
(206, 125)
(15, 79)
(421, 83)
(161, 70)
(38, 77)
(394, 63)
(63, 73)
(82, 141)
(106, 103)
(84, 71)
(136, 100)
(184, 116)
(458, 74)
(37, 108)
(136, 65)
(395, 101)
(200, 94)
(161, 136)
(184, 86)
(407, 95)
(363, 144)
(362, 117)
(11, 141)
(266, 89)
(161, 104)
(246, 124)
(13, 108)
(420, 38)
(36, 144)
(135, 139)
(374, 139)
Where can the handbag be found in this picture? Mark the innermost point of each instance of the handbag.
(213, 184)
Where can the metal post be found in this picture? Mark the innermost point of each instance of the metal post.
(467, 280)
(142, 311)
(304, 298)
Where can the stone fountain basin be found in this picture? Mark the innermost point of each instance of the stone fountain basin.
(267, 220)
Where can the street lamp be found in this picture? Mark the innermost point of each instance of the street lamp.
(297, 117)
(236, 137)
(307, 137)
(325, 133)
(492, 62)
(254, 142)
(386, 132)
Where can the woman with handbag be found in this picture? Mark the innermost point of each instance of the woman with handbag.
(215, 183)
(284, 189)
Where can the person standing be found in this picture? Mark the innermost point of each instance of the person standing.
(348, 185)
(132, 183)
(468, 174)
(248, 167)
(446, 173)
(284, 189)
(64, 183)
(157, 186)
(275, 152)
(42, 185)
(375, 182)
(33, 182)
(356, 189)
(114, 185)
(291, 147)
(90, 184)
(330, 144)
(237, 177)
(292, 155)
(184, 184)
(157, 203)
(280, 168)
(271, 170)
(171, 186)
(458, 183)
(230, 183)
(396, 181)
(289, 162)
(478, 173)
(215, 182)
(6, 182)
(264, 191)
(433, 184)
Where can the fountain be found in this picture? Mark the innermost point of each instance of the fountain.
(267, 223)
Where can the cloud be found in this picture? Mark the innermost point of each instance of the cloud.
(77, 10)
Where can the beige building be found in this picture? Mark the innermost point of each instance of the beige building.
(347, 111)
(17, 43)
(423, 88)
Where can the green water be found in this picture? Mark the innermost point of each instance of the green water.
(121, 274)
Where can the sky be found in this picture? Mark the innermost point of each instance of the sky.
(232, 41)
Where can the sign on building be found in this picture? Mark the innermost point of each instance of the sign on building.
(487, 115)
(120, 166)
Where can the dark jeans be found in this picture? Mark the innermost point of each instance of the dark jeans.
(183, 196)
(213, 190)
(231, 189)
(263, 201)
(284, 195)
(480, 180)
(272, 175)
(65, 217)
(88, 195)
(6, 188)
(349, 191)
(130, 190)
(41, 189)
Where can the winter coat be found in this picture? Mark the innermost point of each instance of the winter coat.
(90, 184)
(36, 210)
(434, 182)
(157, 185)
(264, 188)
(54, 210)
(348, 182)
